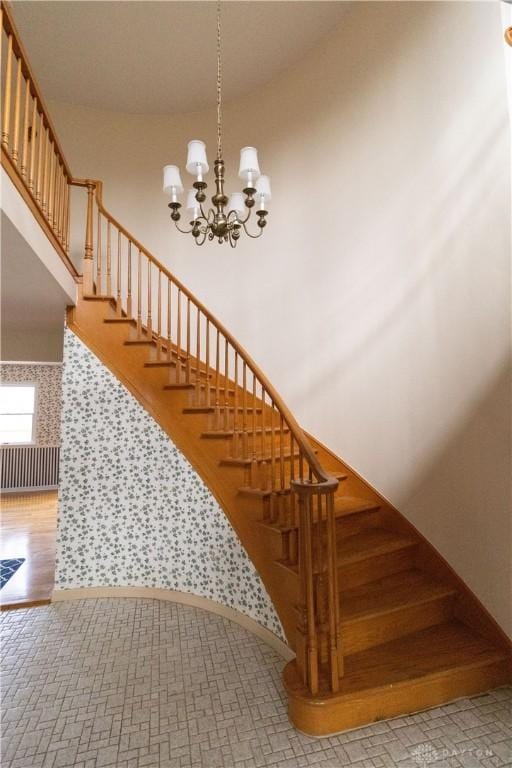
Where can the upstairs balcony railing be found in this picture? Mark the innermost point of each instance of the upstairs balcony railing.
(31, 153)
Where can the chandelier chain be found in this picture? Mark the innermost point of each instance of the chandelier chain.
(219, 85)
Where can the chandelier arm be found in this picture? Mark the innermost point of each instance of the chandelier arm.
(183, 231)
(254, 237)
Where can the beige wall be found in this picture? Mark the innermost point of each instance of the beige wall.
(379, 299)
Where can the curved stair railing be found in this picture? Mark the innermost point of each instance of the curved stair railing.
(226, 382)
(223, 380)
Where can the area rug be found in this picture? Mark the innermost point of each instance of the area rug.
(8, 568)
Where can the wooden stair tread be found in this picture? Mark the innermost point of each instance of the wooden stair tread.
(370, 543)
(220, 434)
(438, 650)
(238, 462)
(406, 588)
(343, 507)
(191, 409)
(430, 651)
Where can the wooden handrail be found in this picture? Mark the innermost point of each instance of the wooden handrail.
(320, 474)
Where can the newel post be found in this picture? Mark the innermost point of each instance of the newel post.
(319, 636)
(89, 245)
(307, 632)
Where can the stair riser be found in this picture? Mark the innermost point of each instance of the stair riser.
(348, 525)
(369, 632)
(329, 716)
(373, 568)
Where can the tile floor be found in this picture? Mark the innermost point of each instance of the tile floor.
(134, 683)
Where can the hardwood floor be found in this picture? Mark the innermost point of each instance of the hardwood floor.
(28, 529)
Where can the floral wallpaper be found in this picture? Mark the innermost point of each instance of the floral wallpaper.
(132, 511)
(48, 379)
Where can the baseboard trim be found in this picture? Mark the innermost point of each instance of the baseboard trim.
(184, 598)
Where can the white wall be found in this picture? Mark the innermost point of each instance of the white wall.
(378, 300)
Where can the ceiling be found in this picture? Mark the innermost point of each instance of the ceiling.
(32, 303)
(159, 57)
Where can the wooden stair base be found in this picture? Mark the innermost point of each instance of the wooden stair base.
(415, 672)
(413, 635)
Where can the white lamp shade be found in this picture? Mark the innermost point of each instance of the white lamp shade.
(237, 203)
(249, 163)
(263, 187)
(192, 204)
(196, 157)
(172, 179)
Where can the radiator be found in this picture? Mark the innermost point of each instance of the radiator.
(26, 467)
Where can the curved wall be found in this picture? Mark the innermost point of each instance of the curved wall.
(132, 511)
(378, 300)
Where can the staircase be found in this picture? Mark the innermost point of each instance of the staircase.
(380, 623)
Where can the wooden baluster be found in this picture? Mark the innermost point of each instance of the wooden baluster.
(319, 579)
(7, 96)
(129, 281)
(33, 136)
(235, 442)
(197, 399)
(245, 436)
(24, 146)
(281, 454)
(292, 542)
(310, 656)
(254, 461)
(109, 260)
(216, 418)
(263, 436)
(89, 245)
(169, 319)
(150, 302)
(282, 440)
(44, 181)
(51, 186)
(58, 197)
(335, 641)
(119, 302)
(41, 151)
(187, 369)
(67, 218)
(139, 294)
(60, 200)
(272, 510)
(159, 316)
(63, 193)
(207, 362)
(226, 386)
(178, 338)
(17, 107)
(99, 257)
(264, 464)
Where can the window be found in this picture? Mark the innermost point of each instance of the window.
(17, 410)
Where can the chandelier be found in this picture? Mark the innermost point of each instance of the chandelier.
(227, 216)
